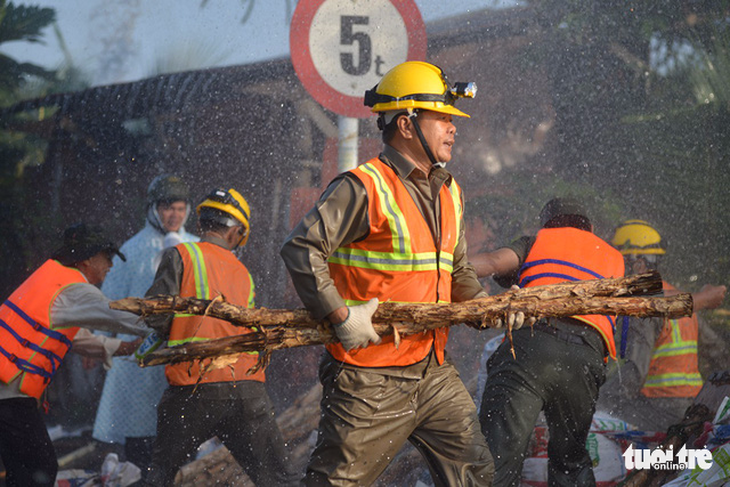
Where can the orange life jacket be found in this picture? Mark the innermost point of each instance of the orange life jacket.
(209, 270)
(29, 343)
(569, 254)
(398, 261)
(674, 369)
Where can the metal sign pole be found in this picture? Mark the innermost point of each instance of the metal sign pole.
(347, 143)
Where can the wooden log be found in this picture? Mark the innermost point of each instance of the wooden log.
(637, 285)
(544, 301)
(278, 329)
(306, 331)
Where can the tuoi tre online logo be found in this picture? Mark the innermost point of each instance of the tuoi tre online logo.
(658, 459)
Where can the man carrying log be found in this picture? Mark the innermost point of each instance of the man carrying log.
(38, 324)
(202, 400)
(392, 230)
(559, 365)
(659, 375)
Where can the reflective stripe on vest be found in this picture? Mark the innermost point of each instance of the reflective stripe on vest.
(398, 262)
(525, 281)
(674, 380)
(400, 259)
(202, 291)
(674, 367)
(569, 254)
(29, 346)
(24, 365)
(209, 271)
(557, 275)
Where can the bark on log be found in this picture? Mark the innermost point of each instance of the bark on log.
(278, 329)
(637, 285)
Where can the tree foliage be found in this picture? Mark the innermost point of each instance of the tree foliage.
(641, 95)
(18, 211)
(24, 24)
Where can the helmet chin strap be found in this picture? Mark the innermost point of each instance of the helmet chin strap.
(413, 116)
(238, 250)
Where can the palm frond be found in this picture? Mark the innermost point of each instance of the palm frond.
(24, 23)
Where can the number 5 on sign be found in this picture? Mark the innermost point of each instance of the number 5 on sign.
(362, 39)
(340, 48)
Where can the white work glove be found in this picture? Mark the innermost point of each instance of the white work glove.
(357, 330)
(514, 320)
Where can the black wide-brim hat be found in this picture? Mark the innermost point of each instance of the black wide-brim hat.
(82, 241)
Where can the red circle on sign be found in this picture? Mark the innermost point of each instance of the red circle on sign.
(315, 84)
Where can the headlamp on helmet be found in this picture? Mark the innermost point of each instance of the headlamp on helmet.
(418, 85)
(464, 90)
(449, 97)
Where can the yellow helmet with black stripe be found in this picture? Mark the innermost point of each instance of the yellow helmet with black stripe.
(226, 207)
(637, 237)
(418, 85)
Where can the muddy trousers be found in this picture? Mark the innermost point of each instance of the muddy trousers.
(25, 447)
(367, 417)
(555, 371)
(241, 417)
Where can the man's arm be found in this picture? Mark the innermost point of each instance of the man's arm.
(167, 282)
(464, 282)
(101, 347)
(83, 305)
(709, 297)
(501, 261)
(509, 275)
(338, 218)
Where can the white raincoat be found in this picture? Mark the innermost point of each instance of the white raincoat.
(128, 406)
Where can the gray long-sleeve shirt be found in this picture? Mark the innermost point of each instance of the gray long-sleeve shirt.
(83, 305)
(340, 217)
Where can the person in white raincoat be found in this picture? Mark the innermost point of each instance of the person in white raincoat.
(127, 412)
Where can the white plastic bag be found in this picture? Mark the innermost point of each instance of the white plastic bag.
(118, 474)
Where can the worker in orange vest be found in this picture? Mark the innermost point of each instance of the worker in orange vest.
(658, 375)
(202, 402)
(392, 230)
(39, 322)
(559, 364)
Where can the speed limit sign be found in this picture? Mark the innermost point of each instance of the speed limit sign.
(341, 48)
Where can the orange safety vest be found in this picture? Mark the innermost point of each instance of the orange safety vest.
(674, 369)
(398, 261)
(569, 254)
(29, 343)
(209, 270)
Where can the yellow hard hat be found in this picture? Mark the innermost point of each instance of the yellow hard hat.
(637, 237)
(231, 203)
(416, 84)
